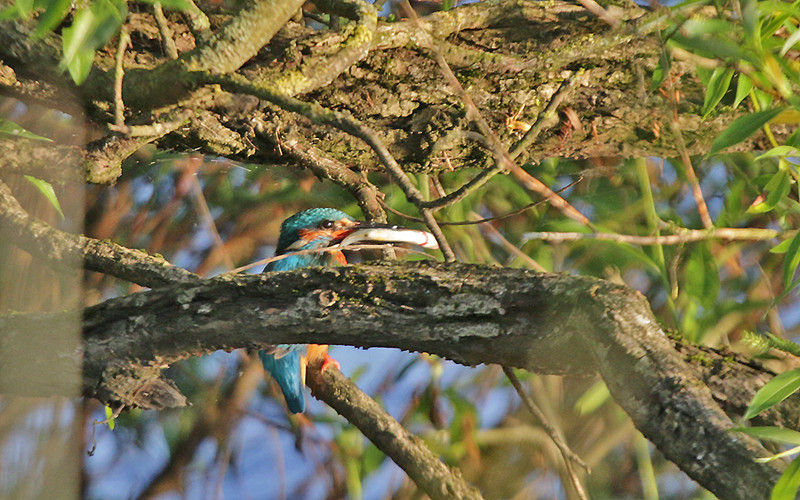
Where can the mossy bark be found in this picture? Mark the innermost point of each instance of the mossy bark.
(506, 55)
(546, 323)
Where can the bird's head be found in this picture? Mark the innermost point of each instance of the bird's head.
(322, 227)
(314, 228)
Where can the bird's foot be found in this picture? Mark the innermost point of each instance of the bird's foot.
(328, 361)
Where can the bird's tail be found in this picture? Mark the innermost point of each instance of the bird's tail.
(286, 371)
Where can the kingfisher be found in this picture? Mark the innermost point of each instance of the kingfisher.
(317, 229)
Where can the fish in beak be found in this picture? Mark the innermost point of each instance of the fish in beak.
(369, 232)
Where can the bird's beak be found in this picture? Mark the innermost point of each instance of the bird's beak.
(371, 232)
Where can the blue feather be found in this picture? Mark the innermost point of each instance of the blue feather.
(285, 368)
(286, 371)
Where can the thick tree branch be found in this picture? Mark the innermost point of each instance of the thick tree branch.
(359, 186)
(324, 65)
(540, 322)
(40, 159)
(227, 50)
(60, 249)
(527, 69)
(346, 123)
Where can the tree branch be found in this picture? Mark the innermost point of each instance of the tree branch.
(324, 65)
(408, 451)
(545, 323)
(60, 249)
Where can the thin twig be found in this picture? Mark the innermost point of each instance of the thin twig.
(465, 190)
(344, 122)
(114, 415)
(684, 236)
(409, 452)
(95, 423)
(546, 117)
(697, 192)
(156, 129)
(568, 455)
(218, 421)
(511, 248)
(119, 72)
(58, 249)
(205, 212)
(480, 221)
(474, 114)
(601, 13)
(332, 248)
(166, 33)
(359, 186)
(473, 184)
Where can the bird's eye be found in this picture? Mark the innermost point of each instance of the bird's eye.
(326, 224)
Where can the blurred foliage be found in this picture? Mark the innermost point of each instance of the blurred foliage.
(713, 291)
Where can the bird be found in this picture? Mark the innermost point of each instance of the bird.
(316, 229)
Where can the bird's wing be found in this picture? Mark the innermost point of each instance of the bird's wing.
(281, 350)
(287, 373)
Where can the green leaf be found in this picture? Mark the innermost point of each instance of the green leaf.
(704, 74)
(54, 12)
(743, 127)
(593, 398)
(109, 15)
(75, 37)
(9, 13)
(91, 28)
(781, 247)
(24, 7)
(764, 99)
(791, 260)
(775, 391)
(789, 482)
(110, 418)
(743, 86)
(791, 41)
(769, 7)
(780, 434)
(781, 151)
(661, 71)
(714, 46)
(702, 276)
(718, 85)
(783, 344)
(11, 129)
(698, 27)
(777, 189)
(750, 19)
(47, 190)
(80, 65)
(182, 5)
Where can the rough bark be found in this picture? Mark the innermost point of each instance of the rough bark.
(66, 250)
(547, 323)
(506, 54)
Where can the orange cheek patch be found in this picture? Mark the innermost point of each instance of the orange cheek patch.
(310, 234)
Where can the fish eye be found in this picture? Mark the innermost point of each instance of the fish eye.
(326, 224)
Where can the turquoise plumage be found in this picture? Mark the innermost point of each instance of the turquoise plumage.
(286, 370)
(284, 363)
(312, 229)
